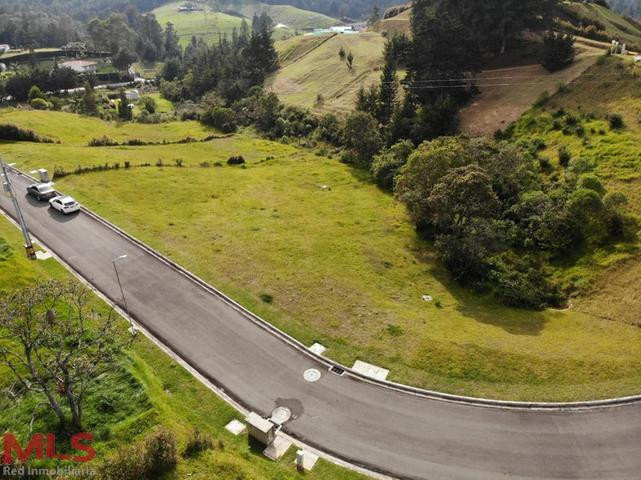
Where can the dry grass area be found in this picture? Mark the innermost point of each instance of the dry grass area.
(515, 90)
(313, 67)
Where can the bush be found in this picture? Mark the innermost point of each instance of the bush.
(557, 51)
(148, 459)
(224, 119)
(103, 141)
(16, 134)
(388, 164)
(564, 156)
(160, 452)
(616, 121)
(148, 104)
(39, 104)
(542, 100)
(34, 93)
(236, 160)
(197, 442)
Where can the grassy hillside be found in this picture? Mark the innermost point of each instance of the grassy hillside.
(397, 24)
(293, 17)
(313, 67)
(146, 389)
(577, 118)
(613, 24)
(207, 24)
(343, 266)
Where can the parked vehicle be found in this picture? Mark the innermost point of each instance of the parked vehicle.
(41, 191)
(64, 204)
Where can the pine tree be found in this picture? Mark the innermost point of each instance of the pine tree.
(388, 90)
(124, 111)
(89, 103)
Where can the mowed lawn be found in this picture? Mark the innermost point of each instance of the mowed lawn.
(145, 389)
(342, 264)
(205, 24)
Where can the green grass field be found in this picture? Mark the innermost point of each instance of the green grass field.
(146, 389)
(314, 68)
(344, 266)
(294, 18)
(207, 24)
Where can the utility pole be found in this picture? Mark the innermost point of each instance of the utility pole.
(8, 188)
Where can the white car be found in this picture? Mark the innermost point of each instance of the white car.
(64, 204)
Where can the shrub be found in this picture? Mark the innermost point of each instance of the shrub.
(267, 298)
(592, 182)
(103, 141)
(197, 442)
(236, 160)
(616, 121)
(564, 156)
(160, 452)
(39, 104)
(148, 104)
(17, 134)
(224, 119)
(35, 92)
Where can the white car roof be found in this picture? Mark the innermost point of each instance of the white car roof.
(65, 198)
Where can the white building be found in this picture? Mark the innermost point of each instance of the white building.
(132, 95)
(4, 48)
(80, 66)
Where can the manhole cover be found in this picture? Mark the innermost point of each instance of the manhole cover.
(312, 375)
(280, 415)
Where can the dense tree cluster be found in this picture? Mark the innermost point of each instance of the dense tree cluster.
(130, 34)
(230, 68)
(495, 223)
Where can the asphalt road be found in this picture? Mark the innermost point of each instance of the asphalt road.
(388, 431)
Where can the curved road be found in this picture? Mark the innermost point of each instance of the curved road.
(388, 431)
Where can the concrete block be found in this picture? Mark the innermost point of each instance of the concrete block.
(277, 449)
(305, 460)
(235, 427)
(260, 429)
(370, 370)
(318, 349)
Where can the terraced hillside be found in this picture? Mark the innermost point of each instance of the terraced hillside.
(311, 66)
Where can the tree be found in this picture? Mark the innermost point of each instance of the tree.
(444, 53)
(124, 110)
(90, 106)
(124, 59)
(171, 42)
(148, 104)
(342, 54)
(362, 137)
(388, 91)
(350, 61)
(557, 51)
(35, 92)
(224, 119)
(461, 195)
(388, 163)
(54, 346)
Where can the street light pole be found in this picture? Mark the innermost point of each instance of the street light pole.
(8, 188)
(122, 292)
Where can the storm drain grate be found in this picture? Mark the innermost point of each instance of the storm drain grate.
(337, 370)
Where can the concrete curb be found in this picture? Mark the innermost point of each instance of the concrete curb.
(292, 342)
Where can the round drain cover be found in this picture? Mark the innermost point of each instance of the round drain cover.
(312, 375)
(280, 415)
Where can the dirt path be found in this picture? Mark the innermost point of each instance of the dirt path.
(509, 92)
